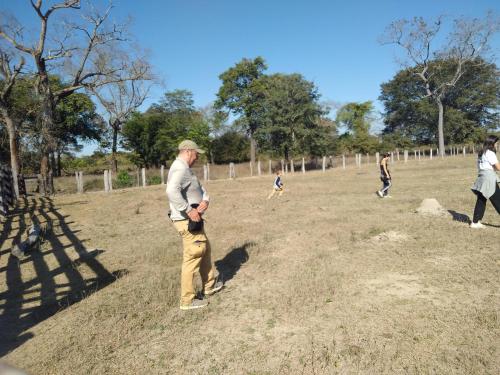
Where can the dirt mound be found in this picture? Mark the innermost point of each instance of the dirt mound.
(431, 206)
(390, 236)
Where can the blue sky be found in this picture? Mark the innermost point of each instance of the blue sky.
(332, 43)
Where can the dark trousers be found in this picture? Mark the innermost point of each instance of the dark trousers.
(481, 204)
(387, 185)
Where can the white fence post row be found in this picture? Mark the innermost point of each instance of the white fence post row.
(430, 155)
(367, 158)
(208, 171)
(143, 173)
(377, 157)
(270, 166)
(415, 152)
(303, 166)
(292, 167)
(406, 156)
(106, 181)
(251, 169)
(419, 154)
(282, 166)
(392, 157)
(323, 166)
(397, 151)
(259, 171)
(463, 151)
(343, 161)
(162, 174)
(286, 168)
(205, 172)
(332, 163)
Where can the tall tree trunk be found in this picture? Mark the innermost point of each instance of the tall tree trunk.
(114, 162)
(53, 165)
(58, 163)
(47, 122)
(253, 147)
(440, 126)
(14, 155)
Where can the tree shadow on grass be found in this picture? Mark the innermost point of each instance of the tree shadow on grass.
(35, 289)
(457, 216)
(232, 261)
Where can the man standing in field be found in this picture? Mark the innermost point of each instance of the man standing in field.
(188, 201)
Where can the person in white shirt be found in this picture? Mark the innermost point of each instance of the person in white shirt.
(486, 185)
(188, 201)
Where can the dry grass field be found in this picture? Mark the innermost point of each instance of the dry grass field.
(327, 279)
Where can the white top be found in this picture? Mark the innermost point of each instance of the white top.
(487, 161)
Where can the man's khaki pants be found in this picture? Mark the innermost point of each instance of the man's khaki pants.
(196, 258)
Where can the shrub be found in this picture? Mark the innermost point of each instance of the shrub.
(154, 180)
(123, 180)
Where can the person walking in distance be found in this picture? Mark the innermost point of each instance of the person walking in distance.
(188, 201)
(486, 185)
(385, 176)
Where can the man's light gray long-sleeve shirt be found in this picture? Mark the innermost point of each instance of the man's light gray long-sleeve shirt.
(183, 190)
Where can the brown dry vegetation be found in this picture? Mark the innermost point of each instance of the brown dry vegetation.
(327, 279)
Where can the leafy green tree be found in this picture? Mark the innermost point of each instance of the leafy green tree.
(357, 118)
(238, 95)
(231, 146)
(470, 107)
(290, 115)
(153, 136)
(440, 69)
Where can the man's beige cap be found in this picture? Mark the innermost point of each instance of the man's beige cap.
(190, 145)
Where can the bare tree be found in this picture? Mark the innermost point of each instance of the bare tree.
(9, 72)
(82, 55)
(468, 40)
(121, 99)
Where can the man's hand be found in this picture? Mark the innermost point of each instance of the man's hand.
(194, 215)
(202, 207)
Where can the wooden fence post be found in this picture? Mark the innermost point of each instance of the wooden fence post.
(282, 166)
(377, 157)
(251, 169)
(143, 177)
(419, 154)
(259, 171)
(463, 151)
(392, 157)
(406, 156)
(332, 163)
(106, 181)
(323, 166)
(110, 178)
(397, 152)
(205, 172)
(208, 171)
(232, 171)
(343, 161)
(270, 166)
(292, 167)
(367, 158)
(162, 174)
(77, 182)
(430, 155)
(286, 168)
(303, 166)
